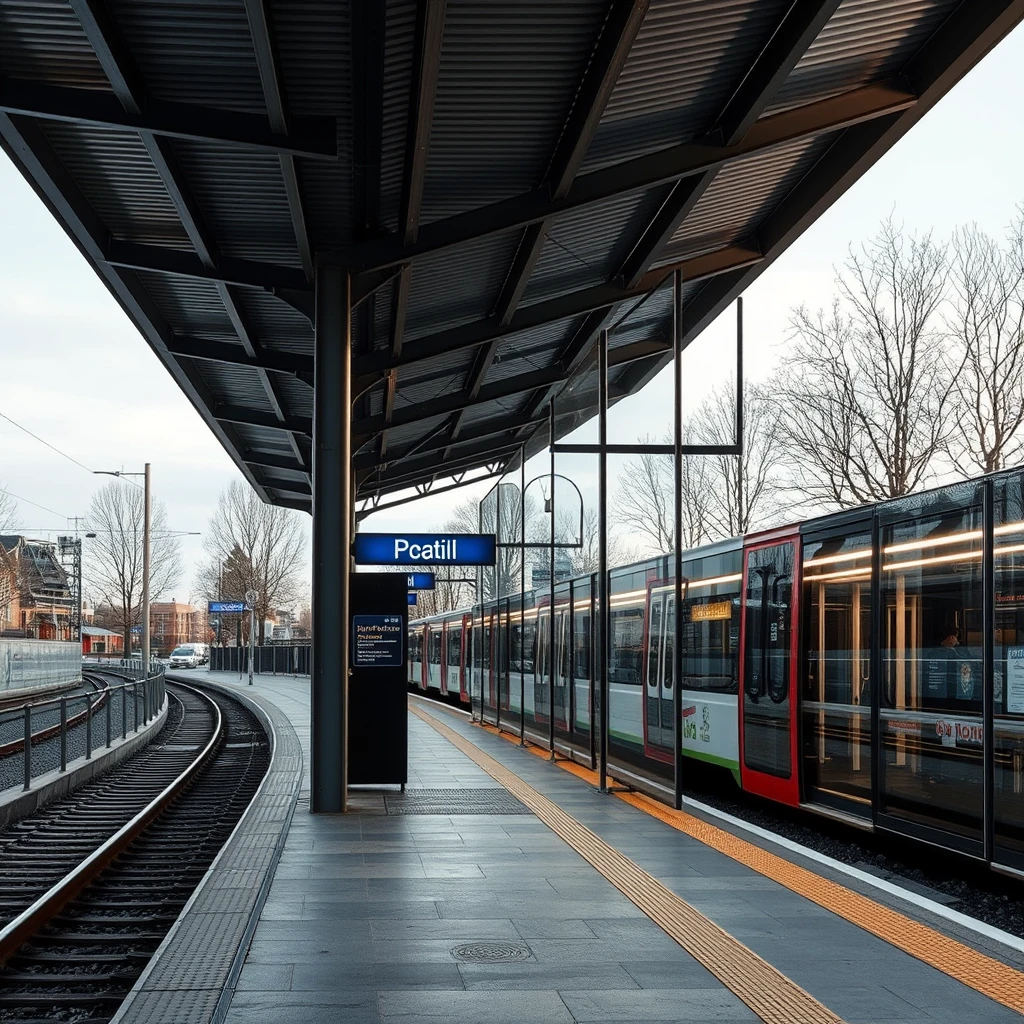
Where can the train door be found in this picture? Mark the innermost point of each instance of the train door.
(561, 666)
(433, 677)
(768, 667)
(659, 668)
(465, 660)
(542, 667)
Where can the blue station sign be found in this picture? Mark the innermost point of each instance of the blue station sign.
(421, 581)
(226, 606)
(412, 599)
(424, 549)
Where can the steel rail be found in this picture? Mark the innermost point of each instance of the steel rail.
(33, 918)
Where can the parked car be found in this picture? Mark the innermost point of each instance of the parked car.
(185, 656)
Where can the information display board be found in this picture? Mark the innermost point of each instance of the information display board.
(214, 607)
(378, 752)
(378, 641)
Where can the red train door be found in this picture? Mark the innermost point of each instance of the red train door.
(768, 666)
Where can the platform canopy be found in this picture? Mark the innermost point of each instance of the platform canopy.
(502, 180)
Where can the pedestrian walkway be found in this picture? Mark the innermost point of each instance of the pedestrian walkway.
(458, 903)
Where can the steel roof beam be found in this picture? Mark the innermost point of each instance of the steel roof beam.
(311, 137)
(267, 64)
(460, 401)
(564, 307)
(406, 476)
(268, 460)
(235, 355)
(430, 16)
(799, 28)
(296, 487)
(662, 167)
(227, 413)
(613, 46)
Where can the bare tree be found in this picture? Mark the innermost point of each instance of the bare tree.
(8, 512)
(473, 516)
(116, 516)
(987, 321)
(867, 390)
(253, 546)
(742, 489)
(449, 593)
(586, 558)
(644, 500)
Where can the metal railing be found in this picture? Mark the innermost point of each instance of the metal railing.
(278, 660)
(145, 695)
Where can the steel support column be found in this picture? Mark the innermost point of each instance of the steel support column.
(551, 583)
(332, 505)
(602, 555)
(677, 486)
(522, 591)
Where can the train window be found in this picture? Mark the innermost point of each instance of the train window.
(670, 640)
(529, 642)
(931, 708)
(478, 646)
(416, 645)
(454, 646)
(515, 645)
(435, 646)
(627, 646)
(766, 705)
(581, 641)
(1008, 672)
(654, 642)
(836, 671)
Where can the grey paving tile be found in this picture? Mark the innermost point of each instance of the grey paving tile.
(304, 1007)
(570, 952)
(448, 928)
(683, 973)
(553, 928)
(656, 1005)
(272, 978)
(328, 977)
(537, 1007)
(530, 975)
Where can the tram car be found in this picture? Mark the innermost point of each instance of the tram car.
(866, 665)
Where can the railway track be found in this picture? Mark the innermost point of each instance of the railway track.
(91, 884)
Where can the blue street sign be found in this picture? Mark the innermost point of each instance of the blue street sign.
(421, 581)
(226, 606)
(412, 599)
(424, 549)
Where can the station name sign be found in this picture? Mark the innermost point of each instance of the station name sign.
(226, 606)
(412, 598)
(421, 581)
(424, 549)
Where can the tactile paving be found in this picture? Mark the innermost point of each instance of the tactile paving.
(775, 998)
(454, 801)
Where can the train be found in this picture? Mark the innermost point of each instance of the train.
(866, 665)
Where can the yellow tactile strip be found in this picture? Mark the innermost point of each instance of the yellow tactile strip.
(984, 974)
(768, 992)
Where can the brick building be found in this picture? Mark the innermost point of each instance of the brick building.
(172, 624)
(36, 599)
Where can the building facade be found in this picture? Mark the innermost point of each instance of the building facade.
(36, 596)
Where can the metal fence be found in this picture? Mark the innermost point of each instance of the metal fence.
(34, 664)
(279, 660)
(81, 723)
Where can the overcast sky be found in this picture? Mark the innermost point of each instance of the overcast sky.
(74, 370)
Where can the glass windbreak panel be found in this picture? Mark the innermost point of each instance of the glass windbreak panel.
(1008, 673)
(653, 643)
(931, 701)
(766, 697)
(581, 644)
(836, 672)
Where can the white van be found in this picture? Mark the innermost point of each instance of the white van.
(185, 656)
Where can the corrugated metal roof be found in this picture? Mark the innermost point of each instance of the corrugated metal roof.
(516, 171)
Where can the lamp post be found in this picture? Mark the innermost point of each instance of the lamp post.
(250, 599)
(145, 557)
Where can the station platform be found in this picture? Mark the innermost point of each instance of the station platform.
(502, 887)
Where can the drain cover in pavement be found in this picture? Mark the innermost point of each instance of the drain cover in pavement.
(454, 801)
(491, 953)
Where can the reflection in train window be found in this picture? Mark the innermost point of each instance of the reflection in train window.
(1008, 674)
(932, 679)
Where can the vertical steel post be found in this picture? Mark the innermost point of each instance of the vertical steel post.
(677, 481)
(602, 557)
(28, 746)
(988, 614)
(63, 734)
(146, 532)
(252, 639)
(496, 668)
(124, 711)
(740, 497)
(551, 584)
(522, 594)
(88, 726)
(110, 700)
(332, 499)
